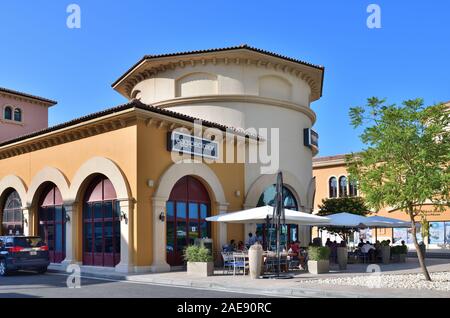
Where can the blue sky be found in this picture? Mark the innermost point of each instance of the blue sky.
(408, 57)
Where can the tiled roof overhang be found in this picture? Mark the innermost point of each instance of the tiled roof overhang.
(151, 64)
(136, 105)
(45, 101)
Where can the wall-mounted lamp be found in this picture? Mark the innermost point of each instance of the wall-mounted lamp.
(150, 183)
(67, 218)
(123, 216)
(237, 193)
(162, 217)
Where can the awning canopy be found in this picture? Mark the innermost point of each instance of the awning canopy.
(259, 216)
(390, 222)
(348, 220)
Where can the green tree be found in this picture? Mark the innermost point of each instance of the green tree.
(405, 163)
(353, 205)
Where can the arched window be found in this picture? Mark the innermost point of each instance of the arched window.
(101, 224)
(268, 198)
(289, 232)
(18, 115)
(353, 188)
(188, 206)
(12, 215)
(8, 113)
(332, 185)
(52, 223)
(343, 187)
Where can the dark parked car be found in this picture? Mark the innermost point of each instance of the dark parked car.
(23, 253)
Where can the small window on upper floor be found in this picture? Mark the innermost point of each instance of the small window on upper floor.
(343, 183)
(353, 188)
(332, 183)
(18, 115)
(8, 113)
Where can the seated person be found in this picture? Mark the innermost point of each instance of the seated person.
(241, 246)
(367, 248)
(230, 247)
(295, 247)
(302, 257)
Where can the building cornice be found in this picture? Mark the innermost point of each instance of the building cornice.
(23, 97)
(68, 134)
(150, 66)
(189, 101)
(101, 125)
(332, 162)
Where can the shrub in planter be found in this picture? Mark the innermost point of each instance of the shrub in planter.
(318, 259)
(399, 253)
(199, 261)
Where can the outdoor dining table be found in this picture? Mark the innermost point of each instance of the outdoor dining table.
(270, 261)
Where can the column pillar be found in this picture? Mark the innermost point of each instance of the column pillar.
(159, 237)
(126, 259)
(71, 235)
(27, 222)
(223, 234)
(249, 227)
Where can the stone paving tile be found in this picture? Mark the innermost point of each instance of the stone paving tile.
(293, 287)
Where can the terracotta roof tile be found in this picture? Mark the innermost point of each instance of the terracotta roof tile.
(41, 99)
(329, 158)
(231, 48)
(132, 104)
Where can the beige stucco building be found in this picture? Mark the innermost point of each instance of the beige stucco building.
(22, 113)
(332, 181)
(111, 189)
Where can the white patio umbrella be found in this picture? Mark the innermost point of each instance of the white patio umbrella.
(353, 221)
(347, 220)
(390, 222)
(259, 216)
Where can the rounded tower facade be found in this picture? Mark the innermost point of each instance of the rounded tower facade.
(246, 88)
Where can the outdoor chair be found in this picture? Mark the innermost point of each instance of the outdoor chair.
(293, 263)
(270, 264)
(228, 262)
(240, 262)
(363, 256)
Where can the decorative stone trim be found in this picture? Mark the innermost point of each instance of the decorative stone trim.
(180, 101)
(148, 69)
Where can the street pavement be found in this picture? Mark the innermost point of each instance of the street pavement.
(53, 285)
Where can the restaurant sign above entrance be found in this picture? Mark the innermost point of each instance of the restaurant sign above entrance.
(188, 144)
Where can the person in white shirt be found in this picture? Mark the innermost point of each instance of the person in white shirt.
(368, 249)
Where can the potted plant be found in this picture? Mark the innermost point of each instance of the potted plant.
(199, 261)
(342, 257)
(318, 259)
(399, 253)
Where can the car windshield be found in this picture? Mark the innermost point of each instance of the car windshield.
(28, 242)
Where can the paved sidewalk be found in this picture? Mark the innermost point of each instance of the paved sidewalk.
(288, 287)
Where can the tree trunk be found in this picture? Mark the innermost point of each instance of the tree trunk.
(420, 255)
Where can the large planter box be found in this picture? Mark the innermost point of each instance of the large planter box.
(385, 254)
(318, 267)
(399, 258)
(203, 269)
(342, 257)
